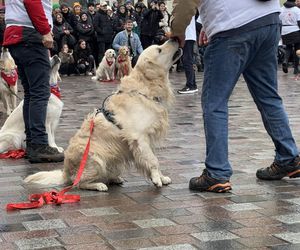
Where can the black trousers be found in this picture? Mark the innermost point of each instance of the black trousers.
(102, 47)
(187, 61)
(34, 72)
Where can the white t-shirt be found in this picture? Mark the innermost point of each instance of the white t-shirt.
(190, 31)
(289, 18)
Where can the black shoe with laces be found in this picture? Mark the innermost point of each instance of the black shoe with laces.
(187, 90)
(27, 150)
(277, 172)
(285, 67)
(42, 153)
(205, 183)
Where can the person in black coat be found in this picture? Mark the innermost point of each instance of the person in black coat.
(85, 29)
(83, 58)
(119, 19)
(150, 24)
(68, 15)
(63, 32)
(103, 25)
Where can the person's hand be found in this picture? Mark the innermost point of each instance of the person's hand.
(179, 39)
(48, 40)
(67, 32)
(203, 40)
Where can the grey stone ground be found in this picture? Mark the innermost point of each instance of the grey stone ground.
(256, 214)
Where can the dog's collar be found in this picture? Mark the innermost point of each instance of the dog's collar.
(109, 62)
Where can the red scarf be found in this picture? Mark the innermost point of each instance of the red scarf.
(109, 62)
(10, 78)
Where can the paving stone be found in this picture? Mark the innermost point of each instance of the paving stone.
(154, 223)
(214, 236)
(99, 211)
(241, 207)
(289, 237)
(172, 247)
(289, 218)
(44, 224)
(39, 243)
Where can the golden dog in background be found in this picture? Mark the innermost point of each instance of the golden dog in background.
(133, 121)
(123, 63)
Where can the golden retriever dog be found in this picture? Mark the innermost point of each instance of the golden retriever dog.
(131, 123)
(107, 67)
(123, 63)
(12, 135)
(8, 81)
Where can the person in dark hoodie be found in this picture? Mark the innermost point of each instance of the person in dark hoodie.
(119, 20)
(63, 32)
(85, 29)
(68, 15)
(103, 25)
(150, 24)
(290, 33)
(83, 58)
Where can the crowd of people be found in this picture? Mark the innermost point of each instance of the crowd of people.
(82, 34)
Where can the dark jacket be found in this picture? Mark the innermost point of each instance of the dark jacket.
(82, 55)
(85, 30)
(150, 22)
(103, 25)
(59, 28)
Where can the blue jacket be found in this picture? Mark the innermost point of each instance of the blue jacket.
(121, 39)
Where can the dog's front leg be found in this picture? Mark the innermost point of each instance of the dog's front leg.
(107, 75)
(145, 158)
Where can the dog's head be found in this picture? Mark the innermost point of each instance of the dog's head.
(7, 63)
(123, 51)
(157, 60)
(110, 54)
(55, 65)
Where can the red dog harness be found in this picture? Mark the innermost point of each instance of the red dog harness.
(10, 78)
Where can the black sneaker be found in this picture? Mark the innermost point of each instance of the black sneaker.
(209, 184)
(285, 67)
(277, 172)
(41, 153)
(187, 90)
(27, 150)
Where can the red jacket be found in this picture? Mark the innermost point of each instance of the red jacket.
(26, 21)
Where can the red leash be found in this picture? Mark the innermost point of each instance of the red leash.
(54, 197)
(14, 154)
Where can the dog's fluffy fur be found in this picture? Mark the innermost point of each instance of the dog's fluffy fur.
(8, 93)
(140, 109)
(123, 63)
(12, 134)
(106, 72)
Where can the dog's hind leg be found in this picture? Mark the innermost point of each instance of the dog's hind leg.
(145, 159)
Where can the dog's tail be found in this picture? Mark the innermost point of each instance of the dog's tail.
(55, 177)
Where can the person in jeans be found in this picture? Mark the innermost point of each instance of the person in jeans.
(28, 37)
(188, 59)
(244, 42)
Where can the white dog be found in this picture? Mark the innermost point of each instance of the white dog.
(107, 67)
(131, 124)
(12, 135)
(8, 81)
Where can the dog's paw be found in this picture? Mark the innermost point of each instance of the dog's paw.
(165, 180)
(101, 187)
(95, 78)
(156, 180)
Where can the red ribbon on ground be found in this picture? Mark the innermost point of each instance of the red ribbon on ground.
(14, 154)
(54, 197)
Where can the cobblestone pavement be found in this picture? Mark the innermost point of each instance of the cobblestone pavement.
(136, 215)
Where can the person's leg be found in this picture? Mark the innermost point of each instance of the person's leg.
(296, 58)
(288, 52)
(20, 54)
(261, 78)
(101, 51)
(187, 59)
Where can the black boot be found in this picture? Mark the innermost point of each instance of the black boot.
(41, 153)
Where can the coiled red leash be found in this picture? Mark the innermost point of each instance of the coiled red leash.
(54, 197)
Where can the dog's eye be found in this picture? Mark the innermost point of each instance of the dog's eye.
(159, 50)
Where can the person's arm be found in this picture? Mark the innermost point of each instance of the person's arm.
(139, 46)
(182, 14)
(116, 43)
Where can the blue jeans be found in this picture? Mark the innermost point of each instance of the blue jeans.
(253, 54)
(34, 72)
